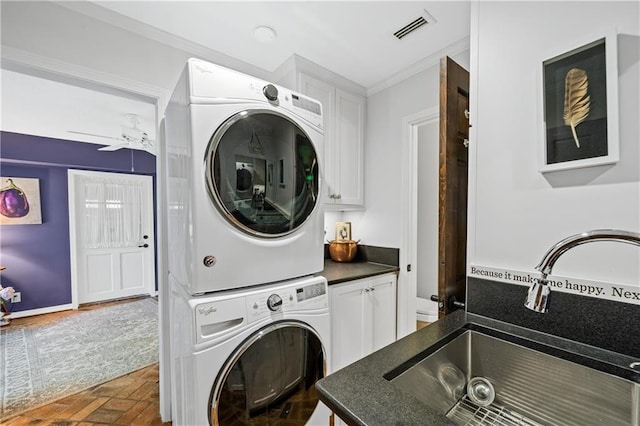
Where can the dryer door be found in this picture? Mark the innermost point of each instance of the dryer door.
(270, 377)
(262, 173)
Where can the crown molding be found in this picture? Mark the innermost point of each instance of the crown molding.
(46, 67)
(428, 62)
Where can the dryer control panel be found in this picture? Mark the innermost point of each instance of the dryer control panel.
(205, 79)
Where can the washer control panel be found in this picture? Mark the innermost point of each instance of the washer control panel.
(225, 314)
(294, 298)
(310, 291)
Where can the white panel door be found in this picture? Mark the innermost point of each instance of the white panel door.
(111, 226)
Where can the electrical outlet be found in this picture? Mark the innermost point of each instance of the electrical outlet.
(17, 297)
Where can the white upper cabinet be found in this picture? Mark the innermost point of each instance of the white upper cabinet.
(343, 107)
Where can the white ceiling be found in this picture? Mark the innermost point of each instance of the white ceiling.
(352, 39)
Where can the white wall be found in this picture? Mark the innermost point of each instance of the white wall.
(517, 212)
(381, 222)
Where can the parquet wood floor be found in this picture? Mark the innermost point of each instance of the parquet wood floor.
(421, 324)
(128, 400)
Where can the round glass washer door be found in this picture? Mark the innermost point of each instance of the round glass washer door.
(262, 173)
(270, 378)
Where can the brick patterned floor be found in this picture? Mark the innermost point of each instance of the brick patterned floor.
(128, 400)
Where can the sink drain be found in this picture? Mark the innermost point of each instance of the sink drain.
(480, 391)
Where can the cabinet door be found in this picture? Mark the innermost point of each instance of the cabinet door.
(348, 311)
(325, 94)
(348, 149)
(383, 299)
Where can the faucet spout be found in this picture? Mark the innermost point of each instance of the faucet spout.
(538, 294)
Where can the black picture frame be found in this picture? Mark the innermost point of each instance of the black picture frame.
(580, 107)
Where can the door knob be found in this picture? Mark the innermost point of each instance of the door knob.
(145, 245)
(453, 303)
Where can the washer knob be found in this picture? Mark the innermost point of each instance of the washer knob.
(274, 302)
(270, 92)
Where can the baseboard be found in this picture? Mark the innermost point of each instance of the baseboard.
(426, 310)
(40, 311)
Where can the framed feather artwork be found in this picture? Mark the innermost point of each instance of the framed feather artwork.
(580, 106)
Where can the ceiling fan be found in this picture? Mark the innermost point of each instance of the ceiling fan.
(131, 137)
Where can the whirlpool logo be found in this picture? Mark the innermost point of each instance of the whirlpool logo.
(207, 311)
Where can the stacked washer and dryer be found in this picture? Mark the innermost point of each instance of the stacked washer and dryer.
(249, 317)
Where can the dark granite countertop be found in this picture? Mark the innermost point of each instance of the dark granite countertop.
(360, 394)
(338, 272)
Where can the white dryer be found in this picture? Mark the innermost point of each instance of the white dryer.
(243, 163)
(250, 356)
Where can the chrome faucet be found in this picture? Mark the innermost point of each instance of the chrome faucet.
(538, 294)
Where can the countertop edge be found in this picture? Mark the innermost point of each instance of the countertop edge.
(340, 272)
(360, 395)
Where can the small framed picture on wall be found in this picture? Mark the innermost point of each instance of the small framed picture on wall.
(20, 201)
(580, 106)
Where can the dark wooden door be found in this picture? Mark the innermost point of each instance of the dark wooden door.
(452, 209)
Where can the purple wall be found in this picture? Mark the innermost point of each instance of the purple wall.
(37, 257)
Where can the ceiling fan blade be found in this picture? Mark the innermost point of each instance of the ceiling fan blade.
(114, 147)
(93, 134)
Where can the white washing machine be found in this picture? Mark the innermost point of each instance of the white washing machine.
(243, 164)
(250, 356)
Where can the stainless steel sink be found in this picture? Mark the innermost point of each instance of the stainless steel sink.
(529, 387)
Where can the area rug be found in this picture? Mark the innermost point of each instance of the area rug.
(43, 363)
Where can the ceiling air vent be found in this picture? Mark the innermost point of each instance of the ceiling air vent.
(424, 19)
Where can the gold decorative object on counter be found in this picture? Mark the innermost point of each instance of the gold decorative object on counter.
(343, 251)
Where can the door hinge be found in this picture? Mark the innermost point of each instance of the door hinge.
(409, 267)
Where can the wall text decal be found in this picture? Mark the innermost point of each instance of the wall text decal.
(601, 290)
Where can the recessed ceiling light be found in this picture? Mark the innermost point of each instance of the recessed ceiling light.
(264, 34)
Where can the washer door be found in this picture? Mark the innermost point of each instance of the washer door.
(262, 173)
(270, 377)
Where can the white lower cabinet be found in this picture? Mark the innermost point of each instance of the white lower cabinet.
(363, 318)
